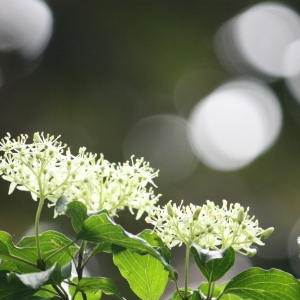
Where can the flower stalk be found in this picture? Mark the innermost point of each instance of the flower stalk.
(40, 262)
(186, 272)
(80, 265)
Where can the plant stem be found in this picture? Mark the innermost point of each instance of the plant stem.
(178, 290)
(80, 265)
(211, 287)
(186, 271)
(40, 261)
(60, 292)
(221, 294)
(79, 268)
(60, 250)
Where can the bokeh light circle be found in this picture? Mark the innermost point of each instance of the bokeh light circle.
(25, 27)
(263, 38)
(162, 140)
(235, 124)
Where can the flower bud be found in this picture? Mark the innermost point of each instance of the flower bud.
(196, 213)
(267, 233)
(170, 210)
(37, 138)
(251, 252)
(240, 216)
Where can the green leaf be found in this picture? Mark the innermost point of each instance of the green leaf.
(93, 285)
(22, 257)
(90, 296)
(16, 258)
(42, 298)
(146, 275)
(101, 247)
(47, 292)
(50, 242)
(78, 296)
(156, 242)
(66, 270)
(100, 228)
(193, 295)
(37, 279)
(77, 211)
(213, 264)
(152, 238)
(259, 284)
(14, 289)
(217, 291)
(230, 297)
(204, 289)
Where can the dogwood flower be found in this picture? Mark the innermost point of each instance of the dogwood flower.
(209, 226)
(112, 186)
(48, 170)
(41, 167)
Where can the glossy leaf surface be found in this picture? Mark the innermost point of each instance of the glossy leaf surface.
(93, 285)
(77, 211)
(193, 295)
(14, 289)
(78, 296)
(213, 264)
(217, 291)
(48, 292)
(50, 242)
(101, 228)
(37, 279)
(16, 258)
(146, 275)
(259, 284)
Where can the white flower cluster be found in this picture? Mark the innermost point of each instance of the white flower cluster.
(112, 186)
(47, 169)
(209, 226)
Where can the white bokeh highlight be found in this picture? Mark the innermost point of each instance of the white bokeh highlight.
(235, 124)
(163, 141)
(25, 27)
(263, 39)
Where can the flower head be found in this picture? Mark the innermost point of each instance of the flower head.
(48, 169)
(112, 186)
(209, 226)
(40, 167)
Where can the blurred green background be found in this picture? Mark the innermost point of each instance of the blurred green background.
(108, 65)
